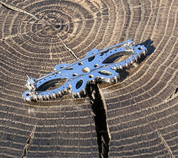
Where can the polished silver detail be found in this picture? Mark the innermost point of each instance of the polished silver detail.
(86, 70)
(95, 66)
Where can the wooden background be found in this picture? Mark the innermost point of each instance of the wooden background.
(142, 110)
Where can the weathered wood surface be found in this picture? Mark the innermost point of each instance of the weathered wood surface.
(142, 110)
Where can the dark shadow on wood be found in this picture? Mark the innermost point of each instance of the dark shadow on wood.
(150, 48)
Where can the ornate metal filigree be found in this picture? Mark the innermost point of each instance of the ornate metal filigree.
(96, 66)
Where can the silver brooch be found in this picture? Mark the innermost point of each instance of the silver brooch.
(98, 65)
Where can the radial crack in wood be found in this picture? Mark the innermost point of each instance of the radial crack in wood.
(143, 101)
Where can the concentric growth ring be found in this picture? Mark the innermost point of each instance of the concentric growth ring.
(141, 111)
(50, 28)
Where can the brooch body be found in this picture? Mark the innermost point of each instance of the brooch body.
(97, 65)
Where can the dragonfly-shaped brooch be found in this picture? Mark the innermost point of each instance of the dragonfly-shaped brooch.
(97, 65)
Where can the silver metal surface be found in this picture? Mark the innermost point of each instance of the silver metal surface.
(96, 66)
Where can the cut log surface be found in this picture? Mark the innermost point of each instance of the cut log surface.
(141, 110)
